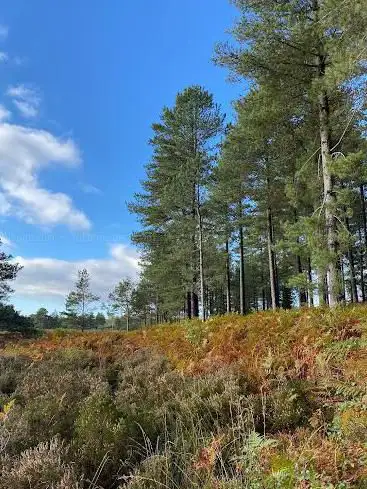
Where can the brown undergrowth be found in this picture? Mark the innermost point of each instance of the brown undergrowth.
(263, 401)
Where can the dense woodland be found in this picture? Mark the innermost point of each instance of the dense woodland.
(268, 210)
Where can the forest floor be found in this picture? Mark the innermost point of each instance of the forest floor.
(273, 399)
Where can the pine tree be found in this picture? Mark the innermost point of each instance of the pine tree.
(307, 51)
(121, 299)
(8, 273)
(173, 208)
(80, 301)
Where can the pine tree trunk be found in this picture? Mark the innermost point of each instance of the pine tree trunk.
(156, 310)
(194, 305)
(361, 265)
(353, 282)
(329, 202)
(263, 298)
(364, 217)
(242, 273)
(309, 273)
(188, 305)
(201, 263)
(332, 275)
(228, 278)
(302, 291)
(342, 276)
(272, 267)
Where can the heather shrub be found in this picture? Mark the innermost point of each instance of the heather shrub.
(351, 422)
(192, 407)
(283, 407)
(100, 432)
(12, 371)
(47, 401)
(42, 467)
(145, 393)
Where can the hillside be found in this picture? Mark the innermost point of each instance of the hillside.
(270, 400)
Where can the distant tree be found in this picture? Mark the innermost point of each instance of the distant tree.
(100, 320)
(80, 300)
(8, 272)
(12, 320)
(41, 318)
(55, 320)
(120, 299)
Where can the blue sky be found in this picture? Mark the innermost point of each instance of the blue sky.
(81, 82)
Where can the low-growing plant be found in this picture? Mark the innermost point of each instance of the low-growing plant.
(42, 467)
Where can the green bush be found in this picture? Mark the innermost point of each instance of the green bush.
(11, 320)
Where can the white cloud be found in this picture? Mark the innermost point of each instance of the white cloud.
(5, 114)
(26, 100)
(3, 57)
(50, 279)
(5, 241)
(24, 153)
(4, 31)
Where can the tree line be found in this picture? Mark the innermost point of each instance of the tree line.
(268, 210)
(83, 308)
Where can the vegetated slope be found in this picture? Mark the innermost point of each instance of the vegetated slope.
(264, 401)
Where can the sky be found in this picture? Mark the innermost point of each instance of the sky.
(81, 82)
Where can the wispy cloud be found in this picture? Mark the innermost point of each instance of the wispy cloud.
(5, 114)
(3, 57)
(19, 60)
(26, 100)
(4, 31)
(27, 109)
(90, 189)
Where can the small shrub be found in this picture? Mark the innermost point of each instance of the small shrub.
(283, 407)
(99, 433)
(48, 399)
(42, 467)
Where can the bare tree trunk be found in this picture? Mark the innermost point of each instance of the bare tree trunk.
(228, 278)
